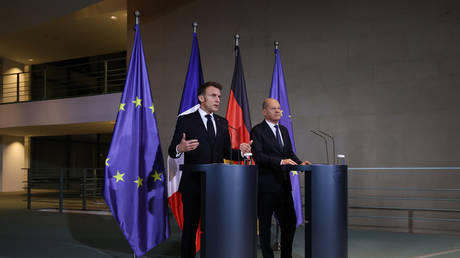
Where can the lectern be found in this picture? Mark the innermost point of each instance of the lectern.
(326, 210)
(228, 209)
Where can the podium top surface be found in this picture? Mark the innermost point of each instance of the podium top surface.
(211, 166)
(222, 165)
(311, 167)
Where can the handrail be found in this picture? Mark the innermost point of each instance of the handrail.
(64, 81)
(436, 197)
(73, 186)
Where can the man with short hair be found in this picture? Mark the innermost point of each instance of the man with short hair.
(272, 148)
(203, 138)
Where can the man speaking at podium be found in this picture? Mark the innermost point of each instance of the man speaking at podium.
(203, 138)
(271, 148)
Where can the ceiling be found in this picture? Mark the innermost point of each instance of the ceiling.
(54, 30)
(33, 32)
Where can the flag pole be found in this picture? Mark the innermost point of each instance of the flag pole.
(195, 25)
(136, 14)
(277, 243)
(237, 43)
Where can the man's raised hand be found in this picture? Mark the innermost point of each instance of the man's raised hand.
(185, 146)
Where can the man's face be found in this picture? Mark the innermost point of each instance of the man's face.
(272, 111)
(210, 101)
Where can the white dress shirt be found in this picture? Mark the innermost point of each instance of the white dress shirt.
(205, 120)
(272, 126)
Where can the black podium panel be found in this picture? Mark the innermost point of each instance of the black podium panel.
(229, 210)
(329, 219)
(326, 210)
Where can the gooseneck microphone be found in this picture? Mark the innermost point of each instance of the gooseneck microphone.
(325, 144)
(238, 137)
(333, 144)
(227, 128)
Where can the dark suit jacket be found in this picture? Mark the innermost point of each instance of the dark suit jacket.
(268, 155)
(193, 127)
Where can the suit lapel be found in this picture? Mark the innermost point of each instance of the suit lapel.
(269, 133)
(285, 135)
(199, 122)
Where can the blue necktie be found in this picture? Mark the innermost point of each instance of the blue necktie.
(278, 137)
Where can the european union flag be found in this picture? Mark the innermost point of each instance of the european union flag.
(134, 171)
(278, 91)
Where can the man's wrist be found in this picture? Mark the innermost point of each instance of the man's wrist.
(178, 153)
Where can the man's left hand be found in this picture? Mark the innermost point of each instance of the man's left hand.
(245, 147)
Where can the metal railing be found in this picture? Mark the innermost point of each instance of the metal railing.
(54, 82)
(377, 196)
(66, 188)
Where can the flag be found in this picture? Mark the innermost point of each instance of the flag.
(134, 181)
(278, 92)
(239, 120)
(188, 104)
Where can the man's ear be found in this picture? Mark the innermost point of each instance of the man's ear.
(201, 98)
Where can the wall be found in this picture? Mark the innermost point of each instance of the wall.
(380, 76)
(60, 111)
(11, 163)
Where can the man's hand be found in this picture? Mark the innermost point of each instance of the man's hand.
(185, 145)
(288, 162)
(245, 147)
(306, 162)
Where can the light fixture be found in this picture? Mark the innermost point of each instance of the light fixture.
(113, 17)
(30, 59)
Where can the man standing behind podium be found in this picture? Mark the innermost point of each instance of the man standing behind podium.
(203, 138)
(271, 148)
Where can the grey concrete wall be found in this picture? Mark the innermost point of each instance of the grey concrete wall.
(12, 160)
(60, 111)
(381, 76)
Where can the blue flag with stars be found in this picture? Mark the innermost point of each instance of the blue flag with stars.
(278, 91)
(134, 171)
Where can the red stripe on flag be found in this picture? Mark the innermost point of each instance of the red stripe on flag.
(175, 203)
(235, 119)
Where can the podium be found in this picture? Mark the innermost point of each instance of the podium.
(228, 209)
(326, 210)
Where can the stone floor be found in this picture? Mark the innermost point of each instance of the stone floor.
(33, 233)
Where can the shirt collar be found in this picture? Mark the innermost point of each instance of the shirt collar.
(203, 113)
(270, 123)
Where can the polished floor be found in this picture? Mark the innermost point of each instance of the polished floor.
(32, 233)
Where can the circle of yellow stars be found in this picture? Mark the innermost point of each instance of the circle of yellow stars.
(119, 176)
(137, 102)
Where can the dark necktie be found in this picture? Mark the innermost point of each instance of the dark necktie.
(278, 137)
(210, 129)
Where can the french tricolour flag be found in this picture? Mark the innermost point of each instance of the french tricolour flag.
(189, 104)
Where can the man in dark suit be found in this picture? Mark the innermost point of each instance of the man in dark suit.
(203, 138)
(272, 148)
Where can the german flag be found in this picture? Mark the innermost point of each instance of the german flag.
(238, 117)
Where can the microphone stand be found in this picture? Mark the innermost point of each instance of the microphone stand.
(325, 144)
(226, 128)
(333, 144)
(238, 137)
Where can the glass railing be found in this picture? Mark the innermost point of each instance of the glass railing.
(55, 82)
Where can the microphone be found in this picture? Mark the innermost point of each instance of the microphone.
(238, 136)
(333, 144)
(325, 144)
(226, 128)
